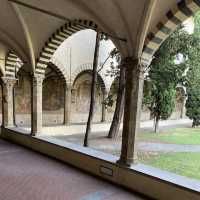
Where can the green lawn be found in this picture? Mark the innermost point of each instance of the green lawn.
(174, 136)
(185, 164)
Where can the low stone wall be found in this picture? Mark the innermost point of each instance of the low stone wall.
(143, 179)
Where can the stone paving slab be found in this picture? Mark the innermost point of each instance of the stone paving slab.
(27, 175)
(80, 128)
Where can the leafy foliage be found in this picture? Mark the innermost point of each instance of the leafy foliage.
(176, 62)
(192, 81)
(166, 72)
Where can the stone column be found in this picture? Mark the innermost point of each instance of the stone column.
(8, 104)
(103, 112)
(133, 100)
(67, 105)
(36, 117)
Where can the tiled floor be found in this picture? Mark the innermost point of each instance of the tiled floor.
(26, 175)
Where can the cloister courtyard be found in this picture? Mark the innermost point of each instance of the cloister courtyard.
(99, 100)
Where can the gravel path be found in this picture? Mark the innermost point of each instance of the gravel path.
(160, 147)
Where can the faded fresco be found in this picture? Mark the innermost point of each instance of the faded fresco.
(53, 95)
(53, 100)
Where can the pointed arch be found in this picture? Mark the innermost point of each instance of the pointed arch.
(57, 38)
(173, 18)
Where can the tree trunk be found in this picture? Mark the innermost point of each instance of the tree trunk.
(115, 125)
(156, 124)
(93, 87)
(195, 123)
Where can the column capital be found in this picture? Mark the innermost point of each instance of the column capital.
(9, 81)
(68, 86)
(8, 86)
(127, 61)
(133, 65)
(38, 79)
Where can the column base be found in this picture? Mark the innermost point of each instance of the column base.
(66, 123)
(34, 133)
(126, 162)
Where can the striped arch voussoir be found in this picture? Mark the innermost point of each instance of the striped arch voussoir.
(174, 17)
(57, 38)
(12, 65)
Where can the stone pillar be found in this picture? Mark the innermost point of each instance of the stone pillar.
(133, 100)
(67, 104)
(103, 112)
(36, 117)
(8, 103)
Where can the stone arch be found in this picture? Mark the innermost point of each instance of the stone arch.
(12, 65)
(174, 17)
(57, 38)
(87, 68)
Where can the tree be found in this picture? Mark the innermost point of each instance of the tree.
(119, 108)
(192, 87)
(118, 72)
(166, 71)
(164, 103)
(192, 80)
(193, 106)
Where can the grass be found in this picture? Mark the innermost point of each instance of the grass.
(174, 136)
(185, 164)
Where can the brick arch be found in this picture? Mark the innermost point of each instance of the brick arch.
(12, 64)
(87, 68)
(57, 38)
(173, 18)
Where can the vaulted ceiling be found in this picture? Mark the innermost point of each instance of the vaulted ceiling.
(25, 29)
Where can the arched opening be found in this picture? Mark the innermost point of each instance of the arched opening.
(167, 149)
(74, 59)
